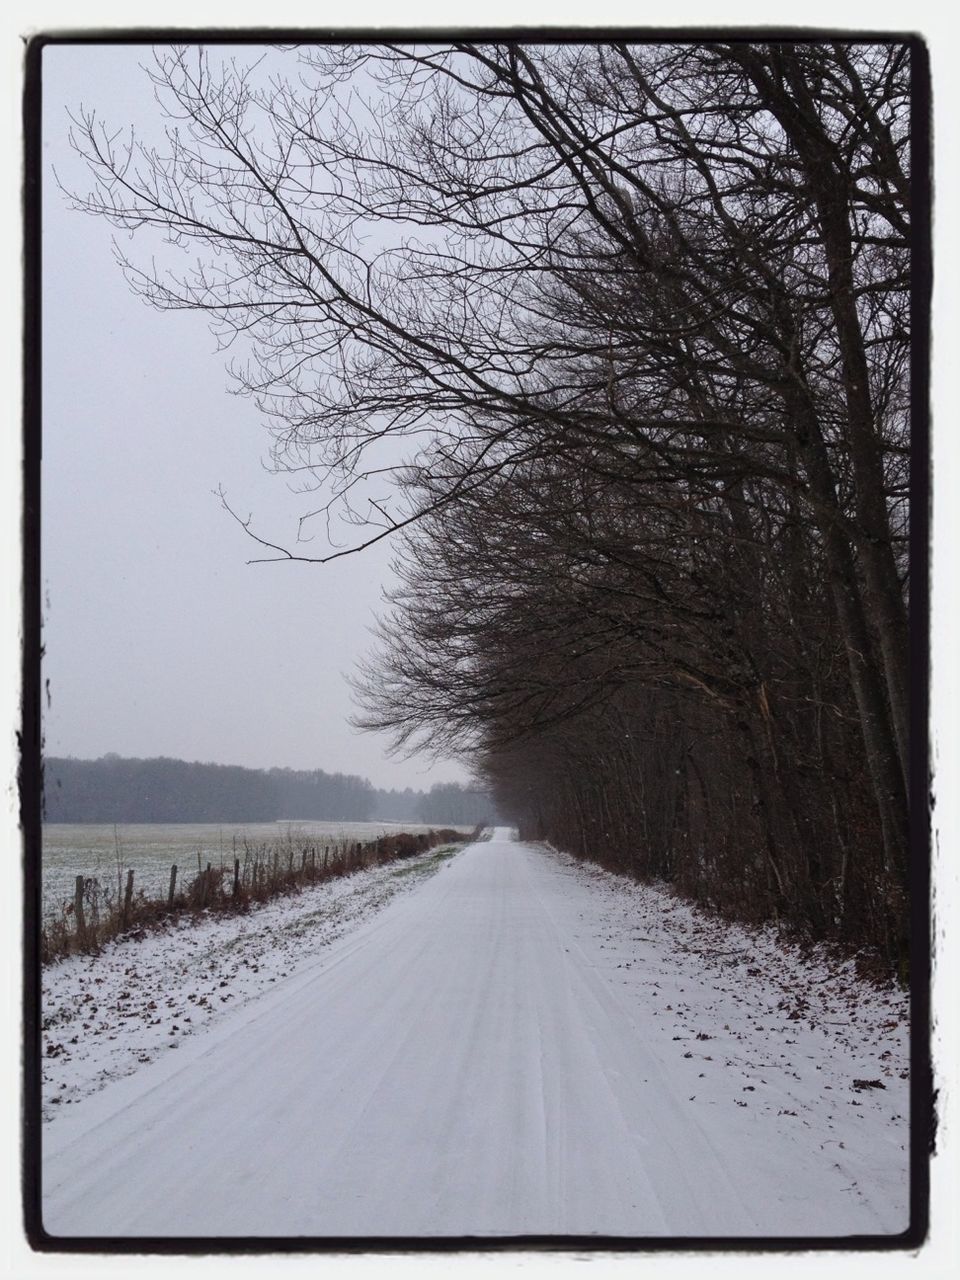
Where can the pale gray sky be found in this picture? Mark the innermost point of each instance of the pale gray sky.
(160, 639)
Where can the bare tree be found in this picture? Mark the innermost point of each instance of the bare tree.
(645, 308)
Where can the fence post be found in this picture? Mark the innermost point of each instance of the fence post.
(236, 877)
(173, 886)
(205, 886)
(127, 897)
(78, 912)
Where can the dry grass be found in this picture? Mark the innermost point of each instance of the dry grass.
(255, 874)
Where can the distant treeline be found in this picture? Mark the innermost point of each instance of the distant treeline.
(117, 789)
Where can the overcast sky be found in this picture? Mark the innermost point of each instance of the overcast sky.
(160, 639)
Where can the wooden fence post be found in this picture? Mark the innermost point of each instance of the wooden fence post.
(78, 912)
(173, 886)
(127, 898)
(236, 877)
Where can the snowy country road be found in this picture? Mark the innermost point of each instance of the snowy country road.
(462, 1064)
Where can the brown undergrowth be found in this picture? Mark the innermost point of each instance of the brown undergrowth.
(256, 873)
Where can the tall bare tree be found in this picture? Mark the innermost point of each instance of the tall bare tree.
(645, 310)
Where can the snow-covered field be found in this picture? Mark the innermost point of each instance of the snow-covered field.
(94, 849)
(519, 1045)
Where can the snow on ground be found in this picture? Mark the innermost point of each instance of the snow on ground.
(522, 1045)
(104, 1016)
(771, 1042)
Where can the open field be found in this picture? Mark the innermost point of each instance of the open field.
(105, 853)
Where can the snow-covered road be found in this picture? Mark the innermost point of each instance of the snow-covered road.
(465, 1063)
